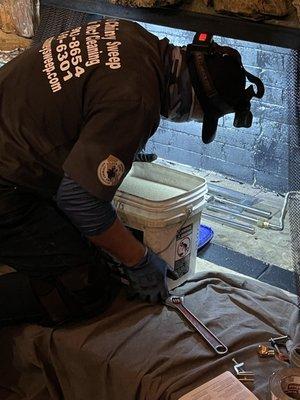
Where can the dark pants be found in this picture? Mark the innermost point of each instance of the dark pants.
(60, 275)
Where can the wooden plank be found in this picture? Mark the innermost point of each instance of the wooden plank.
(193, 16)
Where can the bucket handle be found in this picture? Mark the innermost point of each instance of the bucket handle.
(188, 214)
(119, 206)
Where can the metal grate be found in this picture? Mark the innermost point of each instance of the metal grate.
(294, 159)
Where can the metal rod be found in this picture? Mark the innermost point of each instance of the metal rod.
(232, 212)
(251, 210)
(228, 193)
(232, 224)
(280, 226)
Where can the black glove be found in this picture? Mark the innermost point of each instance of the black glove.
(148, 279)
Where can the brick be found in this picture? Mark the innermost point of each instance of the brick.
(179, 155)
(185, 157)
(271, 112)
(239, 156)
(249, 56)
(150, 147)
(271, 129)
(161, 150)
(270, 60)
(271, 181)
(235, 43)
(220, 40)
(282, 152)
(228, 153)
(274, 78)
(284, 170)
(268, 153)
(260, 153)
(228, 120)
(276, 49)
(254, 70)
(186, 142)
(254, 130)
(159, 28)
(192, 128)
(273, 95)
(270, 165)
(221, 122)
(241, 173)
(235, 137)
(214, 150)
(274, 130)
(162, 136)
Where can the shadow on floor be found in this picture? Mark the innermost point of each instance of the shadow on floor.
(249, 266)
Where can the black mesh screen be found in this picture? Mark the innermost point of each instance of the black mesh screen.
(294, 159)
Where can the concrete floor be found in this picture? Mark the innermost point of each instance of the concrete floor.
(268, 246)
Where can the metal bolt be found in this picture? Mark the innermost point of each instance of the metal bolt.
(273, 343)
(242, 375)
(238, 367)
(265, 351)
(281, 339)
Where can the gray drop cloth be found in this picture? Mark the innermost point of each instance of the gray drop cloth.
(294, 346)
(143, 352)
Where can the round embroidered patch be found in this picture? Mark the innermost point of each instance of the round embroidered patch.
(110, 171)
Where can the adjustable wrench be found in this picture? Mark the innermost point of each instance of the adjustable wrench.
(177, 303)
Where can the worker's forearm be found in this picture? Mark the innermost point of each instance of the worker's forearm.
(120, 243)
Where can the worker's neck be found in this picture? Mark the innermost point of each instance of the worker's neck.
(180, 103)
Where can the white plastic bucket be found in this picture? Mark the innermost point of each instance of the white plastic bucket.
(162, 206)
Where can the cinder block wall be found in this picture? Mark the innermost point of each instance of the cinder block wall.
(258, 155)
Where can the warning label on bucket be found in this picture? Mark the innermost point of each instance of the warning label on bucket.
(183, 249)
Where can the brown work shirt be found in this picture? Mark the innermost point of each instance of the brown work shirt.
(84, 102)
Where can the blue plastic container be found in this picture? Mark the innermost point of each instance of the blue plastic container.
(205, 234)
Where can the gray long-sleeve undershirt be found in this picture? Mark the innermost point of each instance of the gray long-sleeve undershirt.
(89, 214)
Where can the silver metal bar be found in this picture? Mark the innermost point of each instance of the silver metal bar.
(177, 302)
(232, 212)
(232, 224)
(251, 210)
(280, 226)
(229, 193)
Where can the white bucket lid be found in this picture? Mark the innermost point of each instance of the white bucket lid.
(157, 192)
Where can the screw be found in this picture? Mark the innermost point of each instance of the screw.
(238, 366)
(273, 343)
